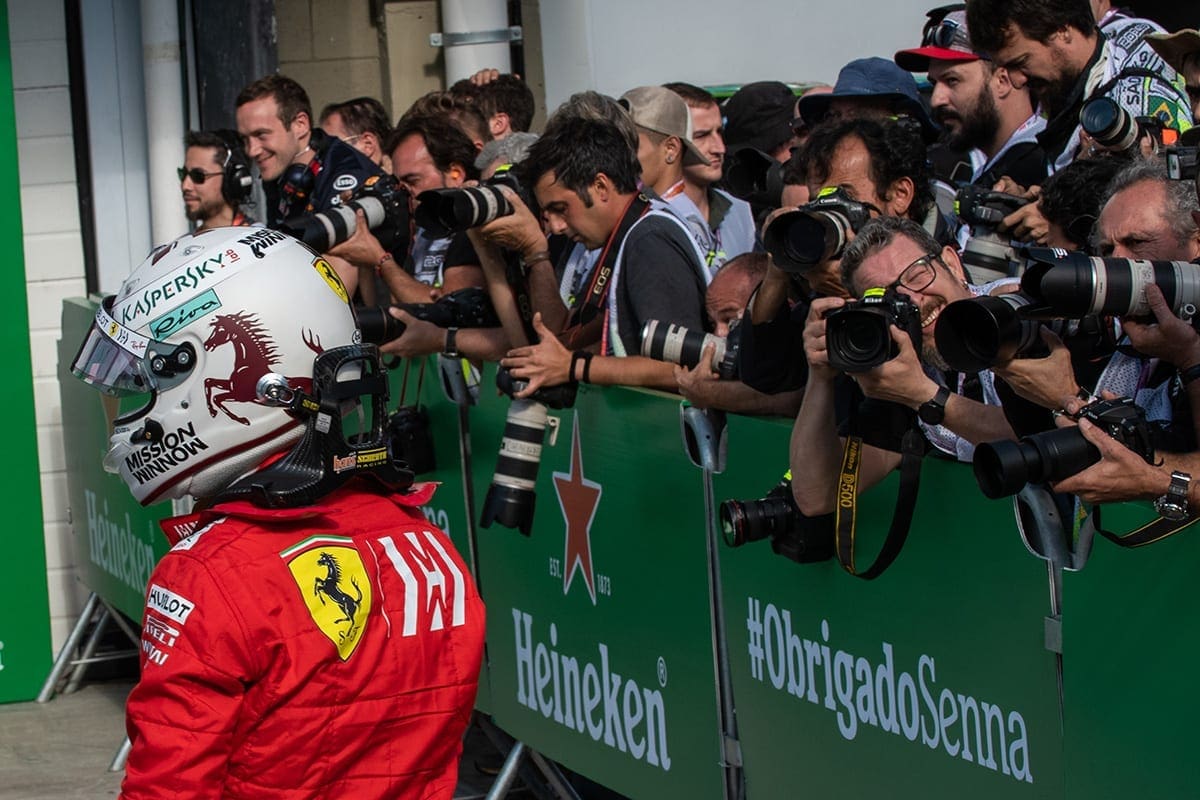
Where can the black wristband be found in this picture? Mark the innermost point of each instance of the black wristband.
(586, 357)
(1190, 374)
(576, 357)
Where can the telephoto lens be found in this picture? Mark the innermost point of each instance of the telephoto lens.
(1074, 285)
(326, 229)
(510, 498)
(1002, 468)
(444, 211)
(1111, 126)
(799, 240)
(981, 332)
(745, 521)
(678, 345)
(376, 325)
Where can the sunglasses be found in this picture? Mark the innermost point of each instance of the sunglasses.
(197, 175)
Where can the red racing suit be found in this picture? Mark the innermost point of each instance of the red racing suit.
(329, 651)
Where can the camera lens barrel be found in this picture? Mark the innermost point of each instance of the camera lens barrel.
(674, 343)
(858, 339)
(799, 240)
(376, 325)
(1074, 285)
(1110, 125)
(510, 498)
(980, 332)
(1003, 468)
(444, 211)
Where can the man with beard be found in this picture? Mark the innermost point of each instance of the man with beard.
(981, 112)
(214, 179)
(1056, 50)
(914, 386)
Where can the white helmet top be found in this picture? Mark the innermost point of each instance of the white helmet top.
(192, 331)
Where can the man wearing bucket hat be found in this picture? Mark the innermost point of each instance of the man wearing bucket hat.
(981, 112)
(1182, 51)
(870, 87)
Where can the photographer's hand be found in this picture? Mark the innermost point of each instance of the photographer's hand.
(519, 232)
(1168, 338)
(1120, 474)
(1049, 381)
(1027, 224)
(815, 345)
(697, 384)
(546, 363)
(362, 248)
(420, 338)
(901, 379)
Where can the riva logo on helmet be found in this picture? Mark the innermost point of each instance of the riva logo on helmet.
(170, 287)
(344, 183)
(262, 240)
(184, 315)
(254, 355)
(176, 448)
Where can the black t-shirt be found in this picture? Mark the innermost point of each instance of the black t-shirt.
(660, 278)
(771, 356)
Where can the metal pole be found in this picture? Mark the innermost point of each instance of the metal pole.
(64, 655)
(118, 762)
(508, 772)
(553, 776)
(89, 650)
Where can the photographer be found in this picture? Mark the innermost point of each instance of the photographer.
(725, 302)
(901, 255)
(880, 163)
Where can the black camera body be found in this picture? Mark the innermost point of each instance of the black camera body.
(818, 231)
(470, 307)
(383, 201)
(776, 515)
(1003, 468)
(988, 254)
(858, 336)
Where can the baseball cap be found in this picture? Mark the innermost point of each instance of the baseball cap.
(948, 40)
(759, 115)
(1173, 47)
(872, 77)
(660, 110)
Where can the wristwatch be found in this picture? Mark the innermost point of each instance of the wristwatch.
(1173, 506)
(451, 348)
(932, 412)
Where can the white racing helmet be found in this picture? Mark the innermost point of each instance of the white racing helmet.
(191, 333)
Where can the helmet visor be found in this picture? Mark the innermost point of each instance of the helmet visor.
(122, 363)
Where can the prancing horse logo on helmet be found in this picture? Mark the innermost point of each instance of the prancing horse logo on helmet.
(254, 355)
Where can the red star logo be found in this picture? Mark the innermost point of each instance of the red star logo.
(578, 498)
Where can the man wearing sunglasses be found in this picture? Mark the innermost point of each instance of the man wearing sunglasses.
(915, 386)
(1056, 49)
(210, 161)
(981, 112)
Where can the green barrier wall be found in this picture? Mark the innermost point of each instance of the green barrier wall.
(25, 648)
(852, 688)
(1130, 646)
(598, 623)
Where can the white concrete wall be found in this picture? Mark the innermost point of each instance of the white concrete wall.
(53, 262)
(614, 45)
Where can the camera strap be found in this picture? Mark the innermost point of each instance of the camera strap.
(404, 382)
(596, 298)
(911, 452)
(1149, 533)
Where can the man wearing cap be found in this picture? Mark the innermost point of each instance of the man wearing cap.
(869, 87)
(721, 223)
(1056, 50)
(1182, 51)
(981, 112)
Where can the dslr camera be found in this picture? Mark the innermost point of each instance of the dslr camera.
(858, 335)
(442, 212)
(798, 240)
(466, 308)
(383, 201)
(1003, 468)
(988, 255)
(776, 515)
